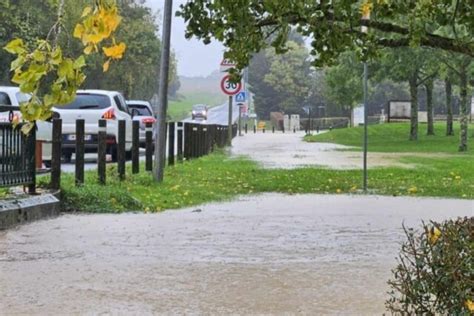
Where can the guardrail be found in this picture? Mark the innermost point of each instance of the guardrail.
(17, 157)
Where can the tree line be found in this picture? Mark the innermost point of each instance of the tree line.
(401, 36)
(136, 75)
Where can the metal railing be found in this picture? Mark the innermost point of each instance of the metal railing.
(17, 156)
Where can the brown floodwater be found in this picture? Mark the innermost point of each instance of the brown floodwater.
(266, 254)
(289, 151)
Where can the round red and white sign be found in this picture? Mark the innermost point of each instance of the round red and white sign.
(230, 88)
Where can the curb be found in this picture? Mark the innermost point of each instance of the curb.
(22, 211)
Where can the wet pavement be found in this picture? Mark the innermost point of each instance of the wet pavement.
(266, 254)
(289, 151)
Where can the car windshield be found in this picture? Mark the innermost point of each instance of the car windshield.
(88, 101)
(199, 108)
(143, 110)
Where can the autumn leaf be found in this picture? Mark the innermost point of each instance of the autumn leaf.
(106, 66)
(116, 51)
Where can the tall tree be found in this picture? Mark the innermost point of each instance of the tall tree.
(461, 67)
(414, 66)
(244, 26)
(429, 86)
(289, 76)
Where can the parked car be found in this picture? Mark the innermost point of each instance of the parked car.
(12, 96)
(199, 111)
(91, 106)
(144, 115)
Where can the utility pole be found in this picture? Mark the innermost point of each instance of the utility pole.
(365, 174)
(160, 142)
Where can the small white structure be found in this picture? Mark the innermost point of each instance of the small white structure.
(295, 122)
(422, 116)
(358, 115)
(291, 122)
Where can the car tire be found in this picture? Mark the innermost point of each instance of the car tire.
(67, 155)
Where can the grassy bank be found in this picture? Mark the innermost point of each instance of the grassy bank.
(218, 177)
(394, 138)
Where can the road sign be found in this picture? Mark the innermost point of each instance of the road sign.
(226, 64)
(241, 96)
(230, 88)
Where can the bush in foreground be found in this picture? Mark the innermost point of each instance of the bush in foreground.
(435, 273)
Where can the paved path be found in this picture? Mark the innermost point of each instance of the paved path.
(270, 254)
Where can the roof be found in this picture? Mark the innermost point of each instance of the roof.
(9, 89)
(96, 91)
(138, 102)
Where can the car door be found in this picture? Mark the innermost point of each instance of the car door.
(127, 117)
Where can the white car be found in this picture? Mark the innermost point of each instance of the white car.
(12, 96)
(91, 106)
(144, 115)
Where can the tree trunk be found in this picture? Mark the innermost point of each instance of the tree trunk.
(429, 106)
(463, 109)
(449, 107)
(414, 107)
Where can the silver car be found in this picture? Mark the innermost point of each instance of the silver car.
(199, 111)
(143, 114)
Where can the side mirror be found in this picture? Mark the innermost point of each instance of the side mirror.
(135, 112)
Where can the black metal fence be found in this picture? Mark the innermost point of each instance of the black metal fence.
(17, 157)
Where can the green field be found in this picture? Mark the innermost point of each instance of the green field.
(394, 138)
(181, 108)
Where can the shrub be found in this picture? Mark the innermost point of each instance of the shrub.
(435, 271)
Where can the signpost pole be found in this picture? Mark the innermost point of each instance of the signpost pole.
(240, 121)
(229, 129)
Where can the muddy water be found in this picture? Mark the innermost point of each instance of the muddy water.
(289, 151)
(271, 254)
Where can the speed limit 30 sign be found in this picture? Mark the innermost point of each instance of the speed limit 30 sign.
(229, 87)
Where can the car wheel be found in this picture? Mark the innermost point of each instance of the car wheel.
(67, 156)
(47, 163)
(128, 155)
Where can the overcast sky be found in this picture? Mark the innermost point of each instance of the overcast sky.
(194, 58)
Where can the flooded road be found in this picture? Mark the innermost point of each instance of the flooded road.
(289, 151)
(271, 254)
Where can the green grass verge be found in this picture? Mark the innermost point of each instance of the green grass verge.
(180, 109)
(217, 177)
(394, 138)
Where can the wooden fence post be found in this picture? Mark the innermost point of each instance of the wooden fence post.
(101, 151)
(180, 141)
(80, 124)
(148, 147)
(121, 149)
(56, 155)
(171, 134)
(135, 147)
